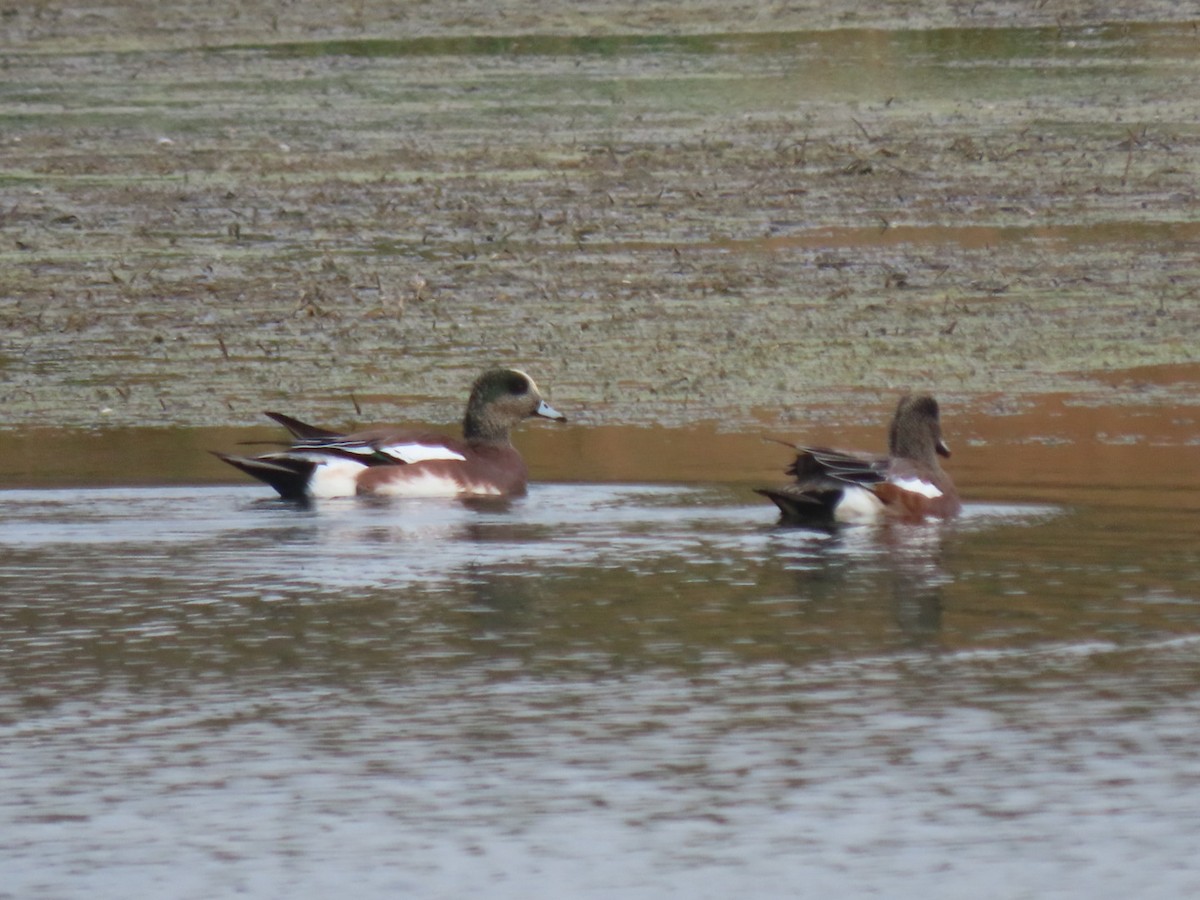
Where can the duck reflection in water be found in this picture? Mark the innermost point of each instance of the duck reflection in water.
(905, 493)
(844, 574)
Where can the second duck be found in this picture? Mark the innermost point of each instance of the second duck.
(833, 487)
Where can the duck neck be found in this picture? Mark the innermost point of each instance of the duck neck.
(480, 428)
(918, 444)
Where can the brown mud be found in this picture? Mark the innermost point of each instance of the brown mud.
(764, 215)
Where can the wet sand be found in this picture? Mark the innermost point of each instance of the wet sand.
(766, 216)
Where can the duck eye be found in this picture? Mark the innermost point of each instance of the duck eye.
(518, 386)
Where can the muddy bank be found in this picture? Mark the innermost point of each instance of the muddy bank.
(210, 216)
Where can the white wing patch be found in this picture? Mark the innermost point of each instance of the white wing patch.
(414, 453)
(917, 486)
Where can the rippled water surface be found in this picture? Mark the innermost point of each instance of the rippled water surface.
(597, 690)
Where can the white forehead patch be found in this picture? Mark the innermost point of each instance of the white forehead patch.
(917, 486)
(532, 383)
(414, 453)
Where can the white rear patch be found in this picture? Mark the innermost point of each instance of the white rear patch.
(858, 506)
(335, 478)
(917, 486)
(413, 453)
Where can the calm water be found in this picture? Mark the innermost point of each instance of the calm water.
(598, 690)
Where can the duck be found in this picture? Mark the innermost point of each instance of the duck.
(321, 464)
(835, 487)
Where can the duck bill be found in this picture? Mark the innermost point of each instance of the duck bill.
(546, 411)
(942, 448)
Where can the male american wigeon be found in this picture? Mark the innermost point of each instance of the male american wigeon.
(833, 487)
(322, 463)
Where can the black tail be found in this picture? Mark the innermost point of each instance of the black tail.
(288, 476)
(302, 430)
(802, 507)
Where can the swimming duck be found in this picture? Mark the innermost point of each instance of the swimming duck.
(834, 487)
(321, 463)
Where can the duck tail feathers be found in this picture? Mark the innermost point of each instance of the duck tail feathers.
(302, 430)
(287, 475)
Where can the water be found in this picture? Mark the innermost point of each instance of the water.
(597, 690)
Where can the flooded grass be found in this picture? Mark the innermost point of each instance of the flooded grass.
(654, 224)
